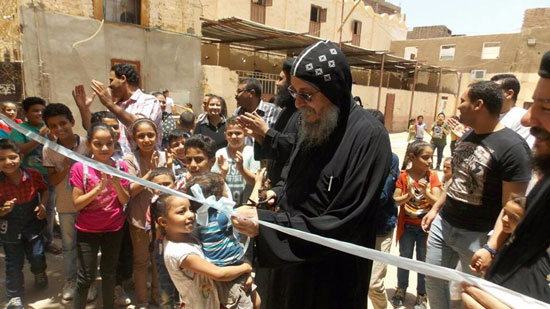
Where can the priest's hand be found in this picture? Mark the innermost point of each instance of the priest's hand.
(244, 226)
(474, 298)
(254, 125)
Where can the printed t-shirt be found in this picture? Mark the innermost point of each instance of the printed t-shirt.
(480, 164)
(196, 291)
(63, 190)
(104, 213)
(418, 206)
(439, 137)
(239, 188)
(34, 158)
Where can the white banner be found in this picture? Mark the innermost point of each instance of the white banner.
(509, 297)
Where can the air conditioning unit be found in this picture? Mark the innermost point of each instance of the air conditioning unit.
(478, 74)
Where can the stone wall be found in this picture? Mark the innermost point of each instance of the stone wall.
(428, 32)
(534, 18)
(167, 60)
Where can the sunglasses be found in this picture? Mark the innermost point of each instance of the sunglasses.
(305, 96)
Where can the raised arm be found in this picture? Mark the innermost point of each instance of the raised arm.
(201, 266)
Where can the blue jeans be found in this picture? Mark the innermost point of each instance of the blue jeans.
(15, 258)
(68, 238)
(439, 149)
(50, 216)
(167, 290)
(446, 246)
(412, 235)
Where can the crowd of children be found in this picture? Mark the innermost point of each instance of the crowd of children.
(129, 224)
(196, 264)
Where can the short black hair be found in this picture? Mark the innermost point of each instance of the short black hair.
(210, 183)
(98, 126)
(57, 109)
(128, 70)
(441, 114)
(98, 117)
(187, 119)
(490, 93)
(509, 81)
(231, 121)
(8, 144)
(161, 171)
(419, 116)
(157, 93)
(177, 133)
(377, 114)
(30, 101)
(252, 84)
(205, 143)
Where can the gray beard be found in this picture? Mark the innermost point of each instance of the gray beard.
(317, 133)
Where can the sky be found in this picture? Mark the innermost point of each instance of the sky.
(470, 17)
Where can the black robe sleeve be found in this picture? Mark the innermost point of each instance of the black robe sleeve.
(336, 200)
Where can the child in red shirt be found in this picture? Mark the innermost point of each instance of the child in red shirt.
(417, 189)
(23, 194)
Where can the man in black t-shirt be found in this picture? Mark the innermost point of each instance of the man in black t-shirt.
(522, 264)
(489, 163)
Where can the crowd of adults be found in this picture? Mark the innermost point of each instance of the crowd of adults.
(329, 171)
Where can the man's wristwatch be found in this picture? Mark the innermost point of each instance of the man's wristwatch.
(491, 250)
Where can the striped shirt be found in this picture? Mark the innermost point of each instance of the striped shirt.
(219, 243)
(143, 106)
(270, 114)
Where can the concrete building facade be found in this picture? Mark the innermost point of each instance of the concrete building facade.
(63, 43)
(480, 57)
(320, 18)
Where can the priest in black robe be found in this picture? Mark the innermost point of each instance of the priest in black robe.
(330, 187)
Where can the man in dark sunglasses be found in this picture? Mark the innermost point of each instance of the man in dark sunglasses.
(330, 187)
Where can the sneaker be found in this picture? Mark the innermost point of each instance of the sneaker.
(421, 301)
(398, 297)
(121, 299)
(15, 303)
(41, 280)
(92, 293)
(68, 289)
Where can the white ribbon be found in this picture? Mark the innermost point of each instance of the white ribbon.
(511, 298)
(223, 205)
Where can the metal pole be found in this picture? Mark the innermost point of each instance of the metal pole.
(457, 98)
(341, 24)
(438, 92)
(381, 81)
(412, 90)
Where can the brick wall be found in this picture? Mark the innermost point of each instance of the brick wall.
(429, 32)
(173, 15)
(534, 18)
(381, 7)
(71, 7)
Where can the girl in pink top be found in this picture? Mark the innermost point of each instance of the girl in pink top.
(99, 198)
